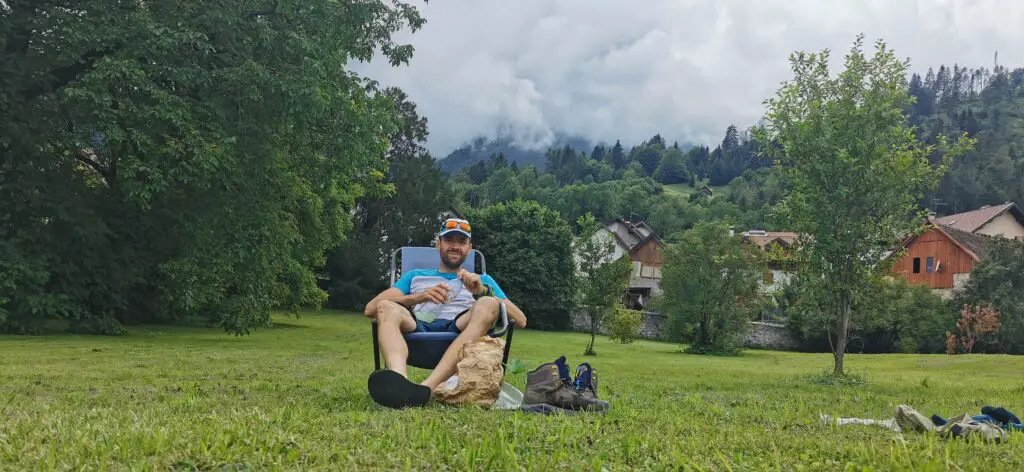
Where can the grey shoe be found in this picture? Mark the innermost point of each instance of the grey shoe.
(550, 384)
(586, 381)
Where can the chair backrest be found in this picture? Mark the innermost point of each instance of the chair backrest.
(427, 258)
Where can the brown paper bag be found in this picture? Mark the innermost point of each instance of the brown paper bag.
(479, 374)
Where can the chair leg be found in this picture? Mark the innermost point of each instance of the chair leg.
(376, 347)
(508, 346)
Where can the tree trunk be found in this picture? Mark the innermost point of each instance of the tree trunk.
(593, 334)
(842, 331)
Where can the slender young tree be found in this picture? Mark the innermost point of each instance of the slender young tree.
(602, 279)
(856, 168)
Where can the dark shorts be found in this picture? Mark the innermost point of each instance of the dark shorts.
(436, 326)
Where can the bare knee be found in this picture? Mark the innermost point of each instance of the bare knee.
(486, 309)
(390, 313)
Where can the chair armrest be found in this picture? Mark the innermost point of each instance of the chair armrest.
(502, 320)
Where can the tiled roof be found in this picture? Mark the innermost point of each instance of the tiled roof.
(630, 234)
(972, 220)
(973, 242)
(763, 238)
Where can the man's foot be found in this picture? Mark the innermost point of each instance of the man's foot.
(393, 390)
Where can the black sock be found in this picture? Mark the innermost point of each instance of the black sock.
(938, 420)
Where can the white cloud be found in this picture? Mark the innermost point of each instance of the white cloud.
(686, 69)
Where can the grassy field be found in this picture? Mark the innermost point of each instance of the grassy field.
(683, 190)
(294, 397)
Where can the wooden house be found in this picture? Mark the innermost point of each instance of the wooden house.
(941, 257)
(639, 241)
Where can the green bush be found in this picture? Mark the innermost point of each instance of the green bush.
(997, 280)
(891, 315)
(624, 324)
(522, 239)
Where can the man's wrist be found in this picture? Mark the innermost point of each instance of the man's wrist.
(487, 291)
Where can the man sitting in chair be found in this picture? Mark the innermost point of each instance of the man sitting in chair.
(446, 299)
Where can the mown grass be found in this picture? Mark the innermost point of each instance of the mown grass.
(683, 190)
(294, 397)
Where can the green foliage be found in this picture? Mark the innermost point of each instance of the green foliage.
(672, 168)
(889, 315)
(624, 324)
(181, 159)
(528, 250)
(855, 166)
(985, 104)
(601, 280)
(710, 285)
(409, 215)
(997, 280)
(896, 316)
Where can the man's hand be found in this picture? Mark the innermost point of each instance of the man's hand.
(472, 281)
(437, 294)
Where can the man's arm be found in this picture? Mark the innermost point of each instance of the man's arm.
(512, 309)
(395, 295)
(514, 312)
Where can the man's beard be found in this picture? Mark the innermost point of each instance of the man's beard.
(450, 265)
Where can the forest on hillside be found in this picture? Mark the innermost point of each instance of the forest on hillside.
(662, 183)
(985, 104)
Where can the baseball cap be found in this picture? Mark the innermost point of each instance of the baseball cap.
(456, 225)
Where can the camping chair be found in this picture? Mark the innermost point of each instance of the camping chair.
(426, 349)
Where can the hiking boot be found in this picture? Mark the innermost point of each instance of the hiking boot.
(550, 384)
(586, 381)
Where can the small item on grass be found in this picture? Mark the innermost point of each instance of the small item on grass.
(393, 390)
(996, 415)
(549, 385)
(479, 375)
(888, 424)
(908, 419)
(964, 427)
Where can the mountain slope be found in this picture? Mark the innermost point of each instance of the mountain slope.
(482, 148)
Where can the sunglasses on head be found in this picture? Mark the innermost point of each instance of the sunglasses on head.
(452, 224)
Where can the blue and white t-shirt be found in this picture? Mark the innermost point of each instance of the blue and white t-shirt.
(460, 298)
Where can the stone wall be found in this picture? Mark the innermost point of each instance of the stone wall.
(770, 335)
(650, 327)
(762, 334)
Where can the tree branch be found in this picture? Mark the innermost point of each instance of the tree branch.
(103, 171)
(63, 76)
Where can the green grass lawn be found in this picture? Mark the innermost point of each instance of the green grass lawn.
(682, 190)
(294, 397)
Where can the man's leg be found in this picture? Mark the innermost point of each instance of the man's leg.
(391, 387)
(474, 324)
(394, 319)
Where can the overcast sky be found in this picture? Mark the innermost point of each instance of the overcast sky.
(627, 69)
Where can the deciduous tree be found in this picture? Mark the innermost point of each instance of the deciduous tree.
(601, 279)
(856, 169)
(188, 158)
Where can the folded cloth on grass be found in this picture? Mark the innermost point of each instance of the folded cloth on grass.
(906, 419)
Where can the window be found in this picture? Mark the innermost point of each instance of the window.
(931, 264)
(917, 265)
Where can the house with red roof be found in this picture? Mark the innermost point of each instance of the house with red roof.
(1006, 220)
(946, 251)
